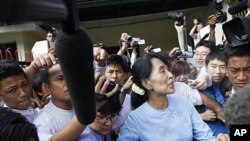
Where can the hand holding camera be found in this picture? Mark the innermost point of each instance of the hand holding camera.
(105, 87)
(212, 20)
(124, 37)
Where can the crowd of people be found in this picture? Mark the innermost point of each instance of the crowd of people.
(155, 96)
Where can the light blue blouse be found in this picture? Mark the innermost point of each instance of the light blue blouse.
(178, 122)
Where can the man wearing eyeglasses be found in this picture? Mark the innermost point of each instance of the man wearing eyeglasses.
(43, 47)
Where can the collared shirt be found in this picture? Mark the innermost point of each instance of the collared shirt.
(178, 122)
(29, 113)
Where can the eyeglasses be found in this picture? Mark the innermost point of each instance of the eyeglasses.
(200, 54)
(105, 118)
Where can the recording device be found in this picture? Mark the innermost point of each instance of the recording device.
(134, 42)
(128, 38)
(177, 16)
(183, 54)
(191, 83)
(74, 49)
(72, 44)
(239, 35)
(150, 48)
(240, 6)
(180, 17)
(101, 45)
(220, 15)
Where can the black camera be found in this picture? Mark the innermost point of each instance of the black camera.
(239, 35)
(183, 54)
(220, 15)
(177, 16)
(129, 38)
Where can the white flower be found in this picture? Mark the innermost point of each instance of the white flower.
(137, 89)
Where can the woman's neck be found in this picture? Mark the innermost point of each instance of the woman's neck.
(158, 101)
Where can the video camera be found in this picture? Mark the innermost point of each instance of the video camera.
(239, 35)
(183, 54)
(220, 15)
(136, 41)
(180, 17)
(150, 48)
(177, 16)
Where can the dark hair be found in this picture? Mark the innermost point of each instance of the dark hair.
(112, 105)
(237, 108)
(207, 44)
(115, 59)
(142, 69)
(9, 68)
(39, 79)
(216, 54)
(241, 51)
(15, 127)
(180, 67)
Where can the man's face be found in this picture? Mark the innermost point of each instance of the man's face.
(15, 92)
(115, 73)
(50, 37)
(238, 69)
(200, 55)
(57, 85)
(217, 69)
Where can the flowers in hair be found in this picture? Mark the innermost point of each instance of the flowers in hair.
(137, 89)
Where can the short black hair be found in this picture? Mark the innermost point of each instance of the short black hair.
(40, 78)
(240, 51)
(208, 44)
(111, 106)
(9, 68)
(115, 59)
(216, 54)
(15, 127)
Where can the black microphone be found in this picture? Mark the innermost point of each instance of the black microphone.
(32, 10)
(74, 50)
(243, 5)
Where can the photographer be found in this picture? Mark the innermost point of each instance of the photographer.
(195, 31)
(127, 41)
(203, 80)
(213, 31)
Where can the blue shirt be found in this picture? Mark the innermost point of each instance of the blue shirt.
(90, 135)
(216, 126)
(178, 122)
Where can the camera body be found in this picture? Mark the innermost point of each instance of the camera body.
(220, 15)
(150, 48)
(176, 16)
(129, 38)
(183, 54)
(240, 34)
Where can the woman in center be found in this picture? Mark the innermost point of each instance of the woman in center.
(158, 116)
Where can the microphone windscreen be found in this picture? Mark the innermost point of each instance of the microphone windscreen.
(238, 7)
(75, 55)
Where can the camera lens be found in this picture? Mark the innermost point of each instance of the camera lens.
(178, 54)
(129, 38)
